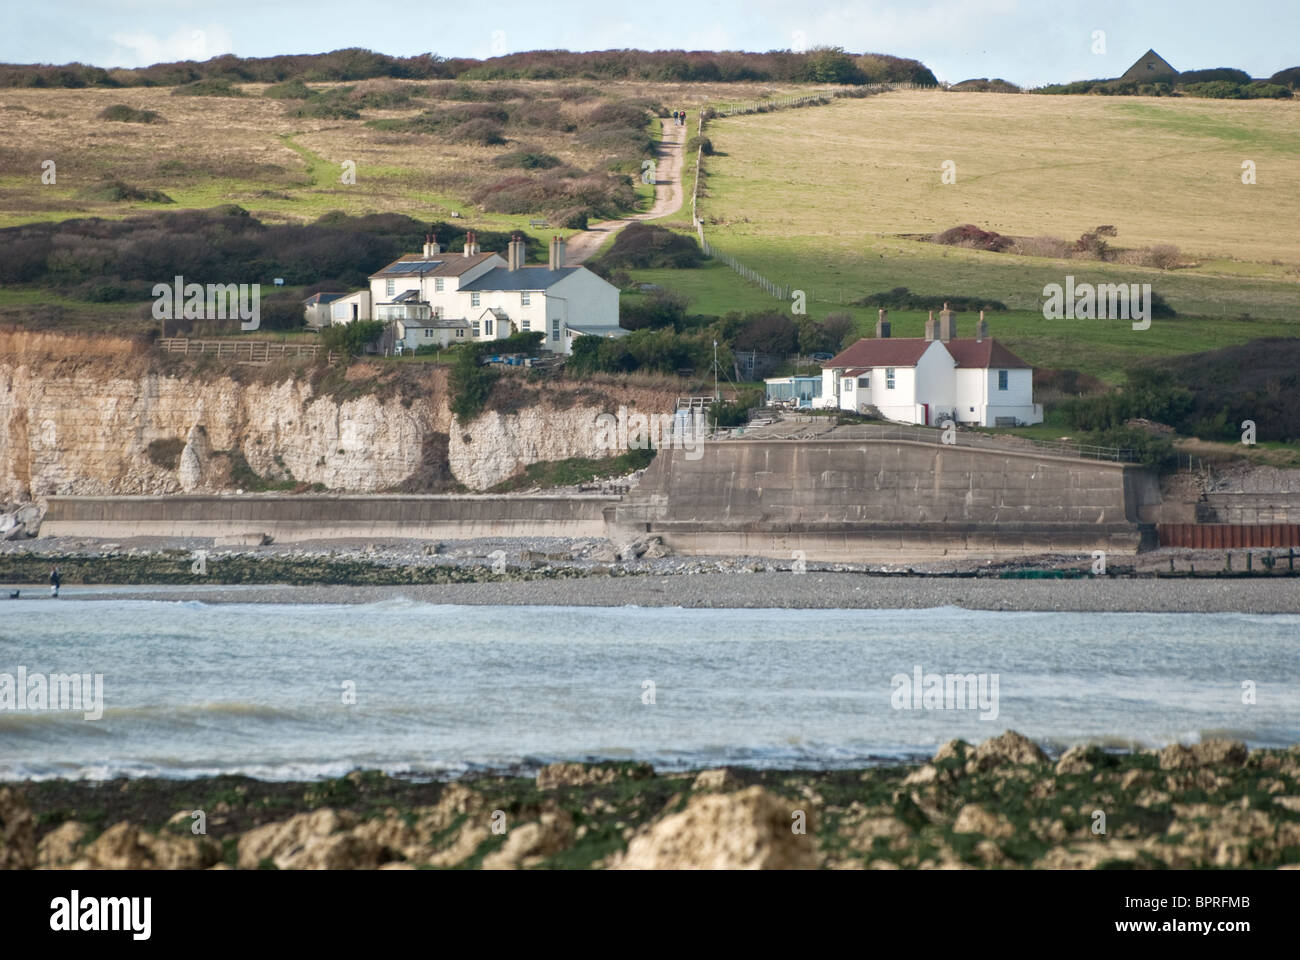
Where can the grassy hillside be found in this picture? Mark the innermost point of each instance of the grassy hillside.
(271, 155)
(826, 200)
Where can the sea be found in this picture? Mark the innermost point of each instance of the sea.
(290, 691)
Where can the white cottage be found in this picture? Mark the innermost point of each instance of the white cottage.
(932, 379)
(477, 296)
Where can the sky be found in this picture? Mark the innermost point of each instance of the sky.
(1029, 42)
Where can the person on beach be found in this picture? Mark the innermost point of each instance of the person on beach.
(55, 580)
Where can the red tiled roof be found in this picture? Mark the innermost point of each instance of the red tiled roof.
(906, 351)
(884, 352)
(983, 354)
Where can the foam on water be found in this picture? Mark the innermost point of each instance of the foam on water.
(195, 689)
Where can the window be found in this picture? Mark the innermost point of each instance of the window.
(475, 299)
(555, 329)
(525, 325)
(487, 328)
(460, 332)
(390, 287)
(889, 378)
(525, 299)
(1002, 379)
(864, 382)
(437, 284)
(428, 334)
(476, 328)
(848, 384)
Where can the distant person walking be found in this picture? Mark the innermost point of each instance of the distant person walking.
(55, 580)
(674, 116)
(681, 118)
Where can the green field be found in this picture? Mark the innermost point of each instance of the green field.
(824, 199)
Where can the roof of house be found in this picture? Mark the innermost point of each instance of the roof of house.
(408, 296)
(1149, 66)
(435, 323)
(438, 265)
(882, 352)
(595, 331)
(523, 278)
(983, 354)
(906, 351)
(323, 297)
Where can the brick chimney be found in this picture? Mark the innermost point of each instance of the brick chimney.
(557, 253)
(982, 328)
(947, 324)
(431, 247)
(931, 328)
(471, 244)
(515, 252)
(882, 325)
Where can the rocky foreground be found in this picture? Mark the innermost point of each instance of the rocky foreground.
(1002, 804)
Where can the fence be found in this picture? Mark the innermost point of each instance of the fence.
(242, 351)
(1217, 536)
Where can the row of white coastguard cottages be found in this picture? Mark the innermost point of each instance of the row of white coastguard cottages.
(442, 298)
(975, 381)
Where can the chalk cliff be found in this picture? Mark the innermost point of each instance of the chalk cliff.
(102, 427)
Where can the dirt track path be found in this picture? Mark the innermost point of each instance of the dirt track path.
(668, 196)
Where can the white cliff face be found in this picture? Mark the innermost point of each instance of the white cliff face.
(85, 434)
(497, 446)
(82, 432)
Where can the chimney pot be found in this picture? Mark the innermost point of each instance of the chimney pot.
(882, 325)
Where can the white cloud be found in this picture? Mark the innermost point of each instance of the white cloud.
(188, 43)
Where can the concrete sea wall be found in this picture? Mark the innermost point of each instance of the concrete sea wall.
(833, 500)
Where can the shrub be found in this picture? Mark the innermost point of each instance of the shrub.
(470, 383)
(207, 88)
(900, 298)
(116, 191)
(350, 339)
(644, 246)
(662, 308)
(767, 332)
(165, 453)
(289, 90)
(528, 160)
(969, 235)
(482, 131)
(122, 113)
(574, 218)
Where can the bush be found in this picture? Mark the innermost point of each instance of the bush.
(350, 339)
(121, 113)
(575, 218)
(289, 90)
(207, 88)
(116, 191)
(528, 160)
(900, 298)
(644, 246)
(165, 453)
(969, 235)
(662, 308)
(767, 332)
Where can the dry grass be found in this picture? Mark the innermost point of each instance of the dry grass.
(214, 150)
